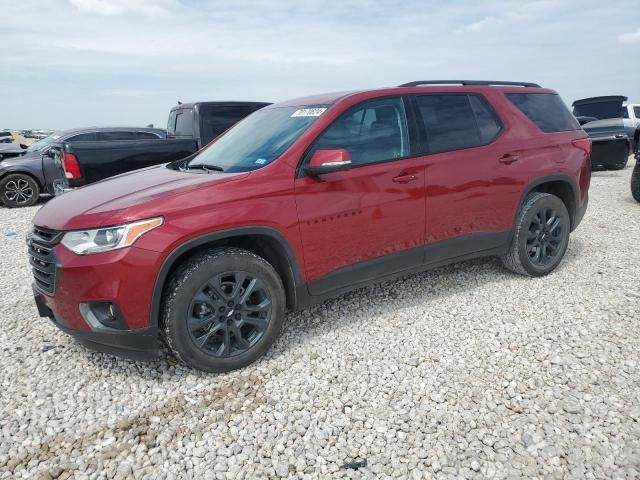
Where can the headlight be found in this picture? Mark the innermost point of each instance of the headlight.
(85, 242)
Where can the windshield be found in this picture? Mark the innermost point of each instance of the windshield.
(40, 144)
(258, 139)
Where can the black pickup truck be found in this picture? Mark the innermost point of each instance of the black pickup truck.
(67, 160)
(190, 127)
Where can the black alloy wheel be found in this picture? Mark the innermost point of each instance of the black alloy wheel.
(229, 314)
(544, 237)
(540, 237)
(222, 309)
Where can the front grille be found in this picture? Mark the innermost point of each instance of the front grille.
(42, 258)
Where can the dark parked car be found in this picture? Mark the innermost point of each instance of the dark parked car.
(23, 178)
(190, 127)
(612, 134)
(304, 200)
(6, 137)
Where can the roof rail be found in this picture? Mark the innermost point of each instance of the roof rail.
(468, 82)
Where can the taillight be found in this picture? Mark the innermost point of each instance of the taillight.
(71, 167)
(583, 144)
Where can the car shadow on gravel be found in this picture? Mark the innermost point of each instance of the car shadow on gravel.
(417, 289)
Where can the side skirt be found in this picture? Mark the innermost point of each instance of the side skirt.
(404, 263)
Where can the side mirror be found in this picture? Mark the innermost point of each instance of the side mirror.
(328, 161)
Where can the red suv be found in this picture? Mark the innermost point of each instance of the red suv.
(304, 200)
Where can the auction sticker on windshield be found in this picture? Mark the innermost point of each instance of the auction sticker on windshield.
(308, 112)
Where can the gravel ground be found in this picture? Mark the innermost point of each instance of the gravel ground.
(466, 371)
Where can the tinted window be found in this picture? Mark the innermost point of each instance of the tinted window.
(636, 111)
(184, 123)
(546, 110)
(625, 112)
(371, 132)
(449, 121)
(116, 135)
(216, 119)
(146, 136)
(83, 137)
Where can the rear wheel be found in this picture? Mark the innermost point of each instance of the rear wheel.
(19, 190)
(223, 309)
(541, 236)
(635, 181)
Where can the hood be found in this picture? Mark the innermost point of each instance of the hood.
(132, 196)
(600, 107)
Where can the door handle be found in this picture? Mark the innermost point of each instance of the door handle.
(508, 159)
(404, 178)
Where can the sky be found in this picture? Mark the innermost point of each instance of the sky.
(75, 63)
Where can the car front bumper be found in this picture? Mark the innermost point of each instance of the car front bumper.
(122, 278)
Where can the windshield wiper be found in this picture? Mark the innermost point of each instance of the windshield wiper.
(202, 166)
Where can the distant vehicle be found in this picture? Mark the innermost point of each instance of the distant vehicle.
(632, 112)
(189, 128)
(204, 121)
(635, 176)
(6, 137)
(33, 169)
(11, 150)
(613, 136)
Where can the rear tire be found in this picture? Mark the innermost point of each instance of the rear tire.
(222, 309)
(19, 190)
(541, 236)
(635, 181)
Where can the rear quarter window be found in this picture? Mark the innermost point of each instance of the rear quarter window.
(546, 110)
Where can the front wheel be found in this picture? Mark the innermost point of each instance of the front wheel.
(222, 309)
(19, 190)
(541, 236)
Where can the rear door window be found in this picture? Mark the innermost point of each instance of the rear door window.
(146, 136)
(636, 111)
(117, 135)
(215, 119)
(83, 137)
(372, 132)
(546, 110)
(184, 123)
(454, 122)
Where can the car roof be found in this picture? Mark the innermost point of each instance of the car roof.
(230, 103)
(441, 87)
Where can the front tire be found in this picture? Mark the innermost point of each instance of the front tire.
(19, 190)
(541, 236)
(222, 309)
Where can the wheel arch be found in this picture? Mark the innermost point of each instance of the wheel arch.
(267, 242)
(562, 186)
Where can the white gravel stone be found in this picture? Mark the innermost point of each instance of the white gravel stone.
(467, 371)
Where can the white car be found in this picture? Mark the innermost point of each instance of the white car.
(632, 112)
